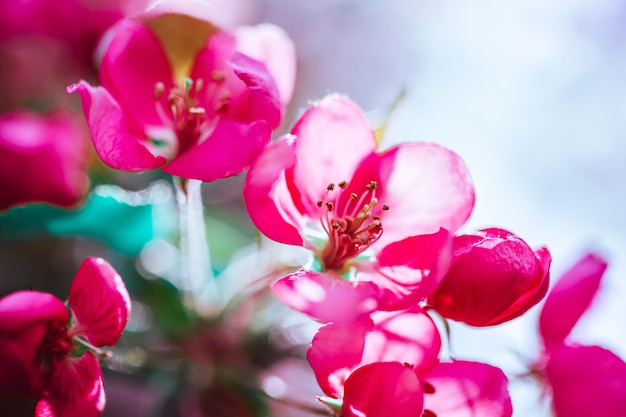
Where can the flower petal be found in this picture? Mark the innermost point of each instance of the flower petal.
(124, 74)
(272, 46)
(383, 389)
(332, 137)
(229, 149)
(570, 298)
(587, 381)
(336, 349)
(326, 297)
(24, 318)
(114, 143)
(75, 391)
(409, 270)
(426, 186)
(468, 389)
(100, 302)
(268, 201)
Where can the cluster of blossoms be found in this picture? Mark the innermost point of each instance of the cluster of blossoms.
(382, 226)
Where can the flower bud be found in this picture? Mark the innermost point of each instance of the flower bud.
(495, 277)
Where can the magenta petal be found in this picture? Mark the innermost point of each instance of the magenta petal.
(272, 46)
(406, 337)
(326, 297)
(383, 389)
(335, 350)
(263, 98)
(427, 187)
(570, 298)
(332, 137)
(24, 319)
(409, 270)
(267, 198)
(229, 149)
(468, 389)
(114, 143)
(587, 381)
(123, 72)
(75, 391)
(100, 303)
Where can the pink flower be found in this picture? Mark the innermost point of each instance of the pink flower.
(42, 159)
(47, 349)
(378, 223)
(200, 110)
(389, 366)
(583, 380)
(495, 277)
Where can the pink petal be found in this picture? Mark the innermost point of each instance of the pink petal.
(406, 337)
(587, 381)
(100, 302)
(24, 318)
(76, 390)
(332, 137)
(42, 159)
(123, 72)
(114, 143)
(426, 186)
(336, 349)
(383, 389)
(570, 298)
(468, 389)
(326, 297)
(272, 46)
(268, 201)
(229, 149)
(263, 97)
(409, 270)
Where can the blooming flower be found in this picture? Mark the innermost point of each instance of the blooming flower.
(42, 159)
(325, 187)
(495, 277)
(389, 366)
(47, 349)
(583, 380)
(201, 110)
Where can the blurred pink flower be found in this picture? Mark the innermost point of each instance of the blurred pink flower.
(42, 159)
(583, 380)
(495, 277)
(202, 109)
(44, 346)
(390, 363)
(387, 216)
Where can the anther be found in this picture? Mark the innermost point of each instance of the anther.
(218, 76)
(428, 413)
(343, 185)
(330, 187)
(329, 205)
(353, 196)
(428, 388)
(371, 186)
(159, 89)
(385, 207)
(319, 203)
(408, 365)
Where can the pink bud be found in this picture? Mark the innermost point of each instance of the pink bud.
(495, 277)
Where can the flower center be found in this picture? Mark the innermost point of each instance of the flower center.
(350, 223)
(191, 111)
(55, 346)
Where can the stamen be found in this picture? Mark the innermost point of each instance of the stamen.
(385, 207)
(159, 89)
(343, 184)
(330, 187)
(371, 186)
(329, 205)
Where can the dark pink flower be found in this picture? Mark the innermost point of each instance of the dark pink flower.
(200, 110)
(47, 349)
(378, 223)
(495, 277)
(42, 159)
(583, 380)
(390, 363)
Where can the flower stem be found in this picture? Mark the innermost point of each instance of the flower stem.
(197, 280)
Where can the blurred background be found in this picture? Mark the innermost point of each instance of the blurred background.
(531, 94)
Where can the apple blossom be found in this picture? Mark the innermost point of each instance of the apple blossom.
(495, 277)
(47, 349)
(326, 187)
(201, 110)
